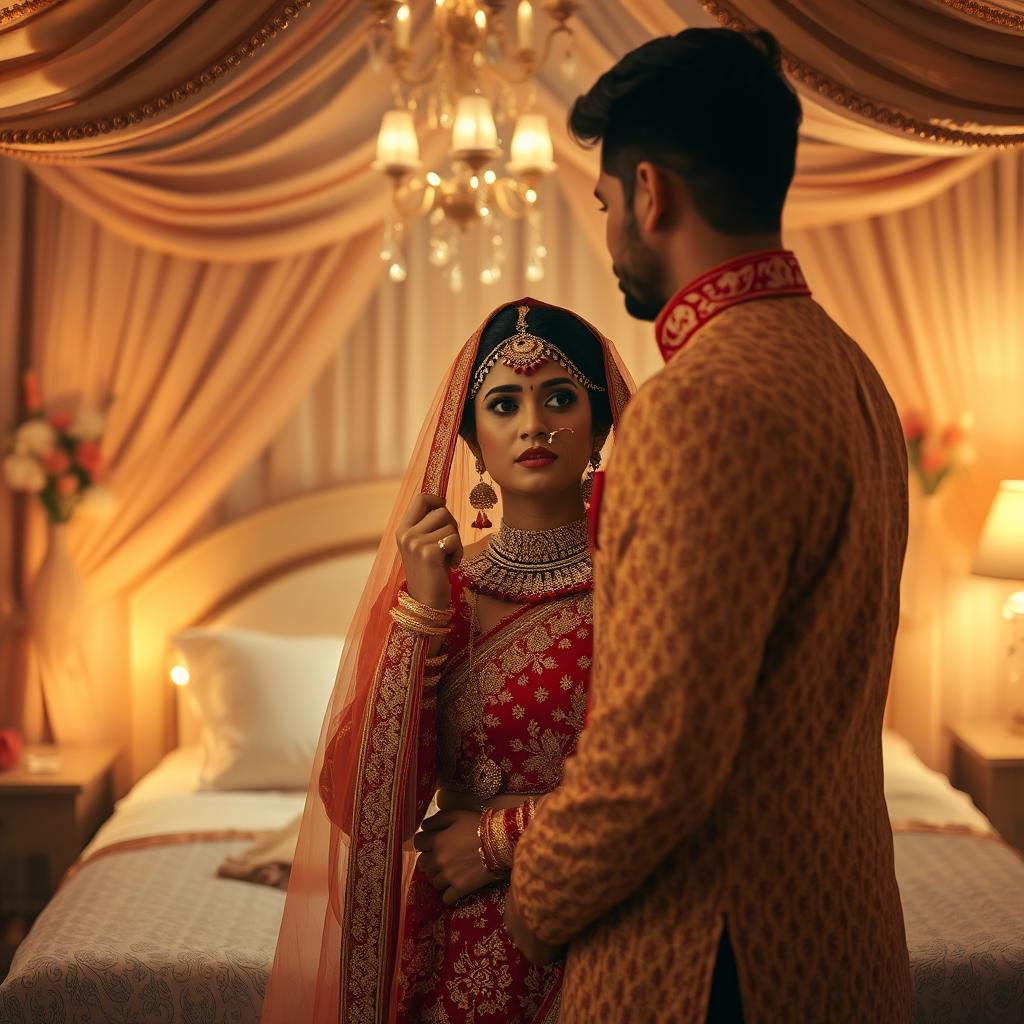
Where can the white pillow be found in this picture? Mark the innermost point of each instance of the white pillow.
(261, 699)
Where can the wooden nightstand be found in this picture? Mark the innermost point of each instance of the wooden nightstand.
(988, 765)
(46, 820)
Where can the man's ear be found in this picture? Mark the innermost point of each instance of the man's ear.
(655, 196)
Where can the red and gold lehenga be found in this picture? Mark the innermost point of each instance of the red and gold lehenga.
(365, 939)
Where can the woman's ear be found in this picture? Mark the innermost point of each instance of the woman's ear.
(471, 444)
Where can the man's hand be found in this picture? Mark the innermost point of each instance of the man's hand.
(530, 946)
(450, 855)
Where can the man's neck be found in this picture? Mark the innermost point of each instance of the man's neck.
(694, 257)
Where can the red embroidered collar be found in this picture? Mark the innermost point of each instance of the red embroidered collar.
(756, 275)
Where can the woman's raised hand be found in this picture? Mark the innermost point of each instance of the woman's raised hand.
(427, 523)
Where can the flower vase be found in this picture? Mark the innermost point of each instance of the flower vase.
(56, 617)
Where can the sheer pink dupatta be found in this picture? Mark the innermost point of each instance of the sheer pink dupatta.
(339, 940)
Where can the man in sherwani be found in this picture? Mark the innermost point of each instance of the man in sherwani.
(719, 849)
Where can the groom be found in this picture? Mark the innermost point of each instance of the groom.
(720, 849)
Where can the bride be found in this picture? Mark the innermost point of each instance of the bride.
(464, 681)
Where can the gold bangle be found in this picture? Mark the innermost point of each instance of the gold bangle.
(499, 839)
(424, 611)
(415, 626)
(483, 833)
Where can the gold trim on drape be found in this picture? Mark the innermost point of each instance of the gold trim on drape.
(987, 13)
(863, 106)
(272, 26)
(14, 14)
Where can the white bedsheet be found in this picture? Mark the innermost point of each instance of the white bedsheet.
(168, 800)
(915, 793)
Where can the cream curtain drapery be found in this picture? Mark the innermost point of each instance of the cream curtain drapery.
(257, 183)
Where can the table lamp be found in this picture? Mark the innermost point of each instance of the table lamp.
(1000, 555)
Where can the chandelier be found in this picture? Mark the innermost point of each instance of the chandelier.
(478, 85)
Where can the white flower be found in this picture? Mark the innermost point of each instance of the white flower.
(35, 437)
(87, 425)
(97, 503)
(23, 473)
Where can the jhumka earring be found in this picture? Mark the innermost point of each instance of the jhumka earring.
(588, 482)
(482, 497)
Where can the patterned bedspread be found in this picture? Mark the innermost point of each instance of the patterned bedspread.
(154, 935)
(148, 935)
(963, 904)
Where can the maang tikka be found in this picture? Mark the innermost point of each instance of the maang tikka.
(482, 497)
(588, 482)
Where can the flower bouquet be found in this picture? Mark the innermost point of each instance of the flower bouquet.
(56, 455)
(934, 454)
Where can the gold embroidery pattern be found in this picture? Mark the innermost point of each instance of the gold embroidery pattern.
(482, 980)
(522, 649)
(440, 460)
(362, 992)
(988, 13)
(19, 12)
(248, 48)
(857, 104)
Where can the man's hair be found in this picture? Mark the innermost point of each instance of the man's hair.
(712, 106)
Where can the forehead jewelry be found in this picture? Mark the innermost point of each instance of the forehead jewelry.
(526, 354)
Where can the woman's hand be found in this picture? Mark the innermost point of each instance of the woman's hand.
(426, 523)
(450, 855)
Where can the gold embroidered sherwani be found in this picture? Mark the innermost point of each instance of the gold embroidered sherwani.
(746, 602)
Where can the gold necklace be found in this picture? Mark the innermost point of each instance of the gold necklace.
(524, 566)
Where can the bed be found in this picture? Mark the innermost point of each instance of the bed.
(143, 929)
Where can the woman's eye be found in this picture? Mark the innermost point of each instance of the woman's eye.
(561, 399)
(503, 406)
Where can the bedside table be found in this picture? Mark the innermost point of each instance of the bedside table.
(46, 820)
(988, 765)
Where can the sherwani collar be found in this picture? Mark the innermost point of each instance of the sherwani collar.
(756, 275)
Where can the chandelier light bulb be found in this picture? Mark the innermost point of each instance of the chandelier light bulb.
(403, 28)
(481, 20)
(398, 149)
(397, 272)
(531, 195)
(532, 152)
(434, 179)
(490, 177)
(474, 129)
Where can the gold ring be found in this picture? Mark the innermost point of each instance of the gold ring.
(443, 543)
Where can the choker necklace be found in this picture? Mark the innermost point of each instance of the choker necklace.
(527, 566)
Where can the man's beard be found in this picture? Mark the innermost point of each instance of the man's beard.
(640, 282)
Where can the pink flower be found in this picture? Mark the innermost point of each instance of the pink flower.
(88, 456)
(933, 460)
(914, 425)
(67, 485)
(10, 748)
(60, 420)
(951, 436)
(56, 462)
(30, 383)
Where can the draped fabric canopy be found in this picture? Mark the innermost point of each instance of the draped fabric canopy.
(199, 223)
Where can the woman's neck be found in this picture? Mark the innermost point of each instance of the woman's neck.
(542, 511)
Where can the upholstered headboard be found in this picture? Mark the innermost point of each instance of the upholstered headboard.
(296, 567)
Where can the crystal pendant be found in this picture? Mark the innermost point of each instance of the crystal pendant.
(388, 244)
(397, 271)
(455, 279)
(440, 252)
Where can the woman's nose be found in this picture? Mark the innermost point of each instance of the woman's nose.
(533, 422)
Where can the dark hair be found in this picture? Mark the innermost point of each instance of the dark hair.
(711, 105)
(565, 331)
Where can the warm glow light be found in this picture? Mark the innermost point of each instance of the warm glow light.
(1014, 605)
(490, 177)
(481, 20)
(403, 27)
(531, 146)
(434, 179)
(531, 195)
(398, 149)
(474, 182)
(1001, 549)
(474, 128)
(179, 675)
(524, 25)
(485, 211)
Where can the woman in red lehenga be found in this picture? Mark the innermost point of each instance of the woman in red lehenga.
(464, 678)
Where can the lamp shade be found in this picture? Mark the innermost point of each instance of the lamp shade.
(397, 146)
(474, 130)
(1001, 548)
(532, 152)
